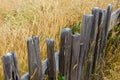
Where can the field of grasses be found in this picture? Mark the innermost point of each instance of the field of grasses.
(111, 70)
(21, 19)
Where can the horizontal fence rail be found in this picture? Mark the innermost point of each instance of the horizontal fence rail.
(79, 57)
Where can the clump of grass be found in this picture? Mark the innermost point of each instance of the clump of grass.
(76, 28)
(61, 78)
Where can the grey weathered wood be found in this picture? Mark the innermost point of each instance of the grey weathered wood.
(105, 30)
(61, 55)
(89, 26)
(92, 43)
(25, 76)
(65, 53)
(101, 24)
(87, 23)
(81, 55)
(57, 60)
(104, 20)
(10, 67)
(98, 39)
(88, 70)
(75, 56)
(115, 17)
(95, 12)
(34, 60)
(51, 60)
(45, 63)
(92, 30)
(45, 67)
(113, 20)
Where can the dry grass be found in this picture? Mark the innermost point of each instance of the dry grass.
(112, 59)
(20, 19)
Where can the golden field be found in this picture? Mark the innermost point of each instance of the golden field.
(21, 19)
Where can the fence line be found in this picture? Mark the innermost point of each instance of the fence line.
(79, 54)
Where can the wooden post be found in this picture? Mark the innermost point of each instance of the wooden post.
(34, 60)
(87, 23)
(115, 17)
(101, 23)
(10, 67)
(105, 30)
(96, 13)
(65, 53)
(51, 60)
(61, 54)
(75, 56)
(104, 20)
(91, 52)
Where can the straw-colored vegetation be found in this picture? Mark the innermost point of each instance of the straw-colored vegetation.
(21, 19)
(111, 70)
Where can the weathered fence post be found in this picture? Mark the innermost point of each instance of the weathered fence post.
(75, 56)
(105, 29)
(103, 24)
(114, 19)
(34, 60)
(65, 53)
(61, 53)
(96, 13)
(51, 59)
(87, 23)
(10, 67)
(93, 37)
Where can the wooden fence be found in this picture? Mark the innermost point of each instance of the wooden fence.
(78, 56)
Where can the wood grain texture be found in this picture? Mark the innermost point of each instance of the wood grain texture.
(87, 23)
(91, 58)
(75, 56)
(96, 13)
(45, 63)
(61, 55)
(91, 46)
(115, 19)
(44, 68)
(34, 60)
(105, 30)
(88, 70)
(65, 53)
(101, 24)
(51, 59)
(10, 67)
